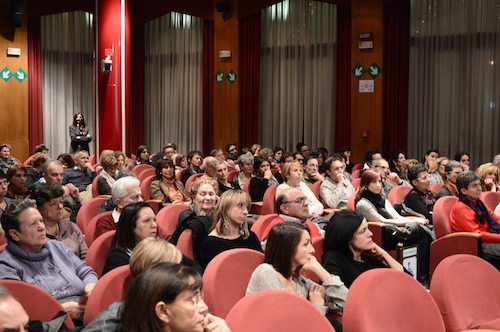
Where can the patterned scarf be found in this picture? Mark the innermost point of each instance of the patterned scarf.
(482, 213)
(452, 188)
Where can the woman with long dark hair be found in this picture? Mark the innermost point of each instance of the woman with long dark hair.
(79, 133)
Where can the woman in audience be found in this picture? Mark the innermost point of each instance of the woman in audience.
(165, 187)
(349, 165)
(5, 159)
(106, 180)
(256, 149)
(142, 156)
(429, 157)
(221, 174)
(263, 179)
(180, 162)
(168, 297)
(288, 252)
(17, 175)
(347, 241)
(278, 155)
(137, 222)
(452, 170)
(420, 199)
(122, 160)
(489, 174)
(229, 229)
(49, 265)
(4, 201)
(292, 172)
(437, 172)
(268, 154)
(398, 158)
(203, 195)
(34, 174)
(49, 201)
(404, 171)
(464, 159)
(79, 134)
(245, 162)
(66, 160)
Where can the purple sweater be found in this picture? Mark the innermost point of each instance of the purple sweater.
(55, 268)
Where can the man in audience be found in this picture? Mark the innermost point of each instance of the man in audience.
(168, 151)
(336, 188)
(311, 174)
(452, 170)
(469, 214)
(208, 163)
(299, 157)
(303, 149)
(381, 166)
(232, 152)
(292, 206)
(53, 173)
(82, 174)
(125, 191)
(194, 163)
(369, 156)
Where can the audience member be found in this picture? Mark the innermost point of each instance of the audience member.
(303, 149)
(256, 149)
(398, 157)
(165, 187)
(289, 251)
(34, 174)
(470, 214)
(123, 161)
(49, 202)
(350, 250)
(125, 191)
(336, 189)
(5, 158)
(369, 156)
(292, 206)
(437, 170)
(403, 174)
(218, 154)
(311, 174)
(245, 162)
(180, 163)
(496, 160)
(142, 156)
(208, 165)
(79, 133)
(464, 159)
(381, 166)
(420, 199)
(292, 172)
(221, 174)
(16, 175)
(49, 265)
(4, 201)
(297, 156)
(167, 152)
(278, 155)
(107, 176)
(489, 174)
(347, 152)
(232, 152)
(263, 179)
(429, 157)
(66, 160)
(194, 162)
(229, 229)
(168, 297)
(452, 171)
(137, 222)
(82, 174)
(42, 148)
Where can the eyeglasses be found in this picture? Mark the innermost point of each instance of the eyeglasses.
(299, 200)
(198, 298)
(245, 164)
(425, 177)
(382, 167)
(233, 149)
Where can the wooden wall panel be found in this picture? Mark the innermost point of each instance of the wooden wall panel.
(226, 95)
(366, 108)
(14, 95)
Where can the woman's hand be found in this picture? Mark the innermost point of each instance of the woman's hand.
(215, 324)
(377, 251)
(268, 174)
(317, 294)
(74, 309)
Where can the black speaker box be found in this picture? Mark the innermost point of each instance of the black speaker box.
(16, 13)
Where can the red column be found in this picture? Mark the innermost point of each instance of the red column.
(113, 88)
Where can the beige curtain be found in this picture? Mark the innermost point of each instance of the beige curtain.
(67, 69)
(298, 75)
(174, 105)
(454, 86)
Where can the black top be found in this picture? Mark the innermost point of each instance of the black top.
(212, 246)
(118, 258)
(347, 269)
(223, 188)
(420, 202)
(258, 187)
(188, 172)
(32, 177)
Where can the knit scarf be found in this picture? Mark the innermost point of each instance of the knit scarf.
(452, 188)
(378, 201)
(482, 213)
(109, 179)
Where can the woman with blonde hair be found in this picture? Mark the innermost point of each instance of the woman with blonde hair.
(437, 172)
(490, 174)
(107, 176)
(404, 171)
(230, 228)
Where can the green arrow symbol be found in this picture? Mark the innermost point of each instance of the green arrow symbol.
(219, 77)
(6, 74)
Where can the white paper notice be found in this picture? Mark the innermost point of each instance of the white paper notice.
(366, 86)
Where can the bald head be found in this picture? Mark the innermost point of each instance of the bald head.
(208, 163)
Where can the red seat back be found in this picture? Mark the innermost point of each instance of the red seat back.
(91, 227)
(491, 199)
(146, 187)
(441, 215)
(260, 225)
(269, 200)
(398, 193)
(88, 211)
(99, 251)
(168, 218)
(185, 243)
(316, 189)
